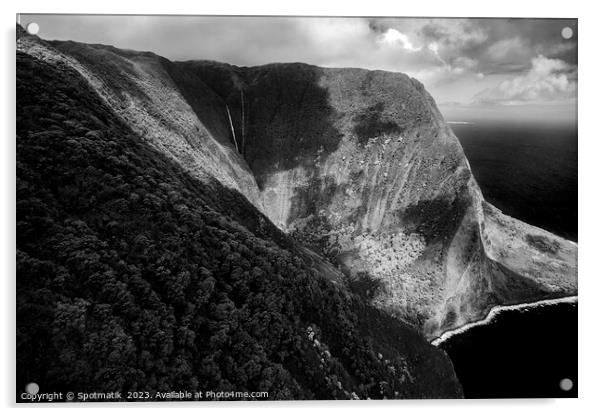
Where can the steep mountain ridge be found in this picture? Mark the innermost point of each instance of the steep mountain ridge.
(358, 165)
(135, 275)
(361, 166)
(140, 88)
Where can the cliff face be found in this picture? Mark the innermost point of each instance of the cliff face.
(135, 273)
(361, 166)
(357, 165)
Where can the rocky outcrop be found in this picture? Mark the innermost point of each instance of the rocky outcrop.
(358, 165)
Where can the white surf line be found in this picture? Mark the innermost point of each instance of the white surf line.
(496, 310)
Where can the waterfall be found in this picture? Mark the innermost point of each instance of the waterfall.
(232, 128)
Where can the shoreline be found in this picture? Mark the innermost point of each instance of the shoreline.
(496, 310)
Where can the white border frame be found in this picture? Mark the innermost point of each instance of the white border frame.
(590, 149)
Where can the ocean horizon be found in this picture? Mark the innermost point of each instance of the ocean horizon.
(528, 170)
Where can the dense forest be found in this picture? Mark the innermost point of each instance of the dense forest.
(133, 275)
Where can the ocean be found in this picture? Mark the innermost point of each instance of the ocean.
(521, 354)
(529, 172)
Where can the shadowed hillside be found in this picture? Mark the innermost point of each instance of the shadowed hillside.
(133, 274)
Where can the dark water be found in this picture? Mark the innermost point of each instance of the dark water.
(529, 171)
(521, 354)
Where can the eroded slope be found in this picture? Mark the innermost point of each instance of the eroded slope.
(361, 166)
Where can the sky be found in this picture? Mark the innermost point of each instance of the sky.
(476, 69)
